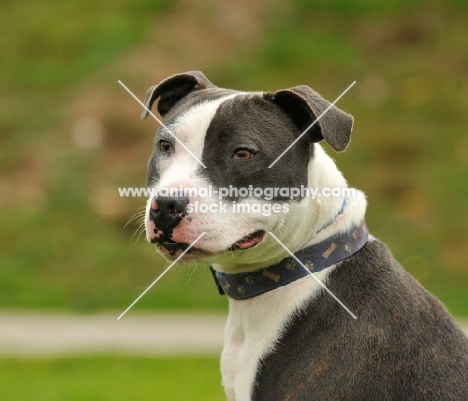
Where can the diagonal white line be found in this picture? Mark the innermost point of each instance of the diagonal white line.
(162, 124)
(313, 275)
(162, 274)
(311, 125)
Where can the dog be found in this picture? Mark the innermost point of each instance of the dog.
(318, 308)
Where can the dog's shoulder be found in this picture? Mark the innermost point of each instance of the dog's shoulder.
(403, 344)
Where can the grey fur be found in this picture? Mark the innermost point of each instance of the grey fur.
(403, 346)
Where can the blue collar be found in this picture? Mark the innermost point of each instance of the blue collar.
(315, 257)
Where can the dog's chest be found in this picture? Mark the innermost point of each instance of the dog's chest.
(253, 329)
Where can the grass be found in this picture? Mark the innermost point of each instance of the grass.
(111, 378)
(54, 43)
(63, 244)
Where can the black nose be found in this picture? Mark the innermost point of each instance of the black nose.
(171, 204)
(167, 211)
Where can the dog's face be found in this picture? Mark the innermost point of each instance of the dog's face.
(214, 177)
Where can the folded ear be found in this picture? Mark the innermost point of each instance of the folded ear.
(304, 106)
(172, 89)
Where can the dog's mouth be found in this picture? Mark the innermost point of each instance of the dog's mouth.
(172, 247)
(249, 240)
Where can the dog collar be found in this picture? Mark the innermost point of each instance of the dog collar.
(315, 258)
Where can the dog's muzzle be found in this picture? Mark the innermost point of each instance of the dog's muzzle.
(167, 212)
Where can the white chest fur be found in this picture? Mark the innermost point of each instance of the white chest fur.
(253, 328)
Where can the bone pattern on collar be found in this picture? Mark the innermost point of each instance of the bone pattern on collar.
(315, 258)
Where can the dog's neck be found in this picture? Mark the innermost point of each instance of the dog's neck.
(313, 259)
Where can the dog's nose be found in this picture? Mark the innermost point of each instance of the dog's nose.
(170, 204)
(167, 211)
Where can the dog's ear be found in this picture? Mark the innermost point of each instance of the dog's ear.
(172, 89)
(304, 106)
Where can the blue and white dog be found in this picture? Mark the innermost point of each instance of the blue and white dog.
(286, 337)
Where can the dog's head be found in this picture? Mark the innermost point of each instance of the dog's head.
(218, 168)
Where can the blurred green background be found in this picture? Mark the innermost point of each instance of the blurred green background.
(70, 136)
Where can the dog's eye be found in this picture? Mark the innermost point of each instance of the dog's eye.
(243, 154)
(165, 146)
